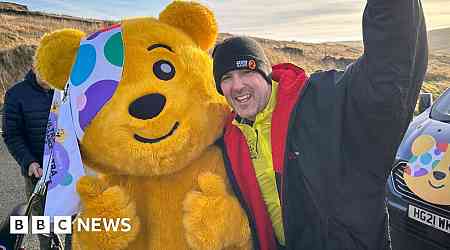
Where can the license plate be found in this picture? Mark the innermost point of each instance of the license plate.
(429, 218)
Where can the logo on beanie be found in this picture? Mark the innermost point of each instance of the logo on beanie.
(252, 64)
(241, 64)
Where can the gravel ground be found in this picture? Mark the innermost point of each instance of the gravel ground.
(12, 191)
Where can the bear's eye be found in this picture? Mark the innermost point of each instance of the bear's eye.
(164, 70)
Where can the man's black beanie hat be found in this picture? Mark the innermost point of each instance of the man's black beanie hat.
(239, 53)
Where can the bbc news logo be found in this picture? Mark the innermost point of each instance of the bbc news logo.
(63, 224)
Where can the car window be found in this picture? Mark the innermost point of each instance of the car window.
(441, 108)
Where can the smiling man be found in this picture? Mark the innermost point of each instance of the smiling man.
(309, 156)
(246, 91)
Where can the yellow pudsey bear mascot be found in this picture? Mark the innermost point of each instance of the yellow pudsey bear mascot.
(427, 173)
(147, 115)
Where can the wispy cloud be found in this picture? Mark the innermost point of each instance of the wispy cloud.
(324, 20)
(100, 9)
(321, 20)
(437, 13)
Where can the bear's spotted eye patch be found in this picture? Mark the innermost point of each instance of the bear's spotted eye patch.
(164, 70)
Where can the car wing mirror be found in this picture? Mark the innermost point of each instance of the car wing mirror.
(425, 101)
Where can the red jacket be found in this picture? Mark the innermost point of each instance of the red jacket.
(291, 81)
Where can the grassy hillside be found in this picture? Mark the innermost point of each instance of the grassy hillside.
(20, 30)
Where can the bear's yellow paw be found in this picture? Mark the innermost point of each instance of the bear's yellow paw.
(110, 204)
(213, 219)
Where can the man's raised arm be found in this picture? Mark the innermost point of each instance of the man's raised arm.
(386, 79)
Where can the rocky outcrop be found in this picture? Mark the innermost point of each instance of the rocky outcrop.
(12, 6)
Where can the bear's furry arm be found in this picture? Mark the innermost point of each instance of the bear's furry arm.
(213, 216)
(101, 200)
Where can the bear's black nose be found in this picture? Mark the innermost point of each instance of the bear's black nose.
(147, 106)
(438, 175)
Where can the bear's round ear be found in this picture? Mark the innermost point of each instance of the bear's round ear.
(194, 19)
(422, 144)
(55, 56)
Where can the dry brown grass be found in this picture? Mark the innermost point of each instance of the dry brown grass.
(20, 32)
(13, 6)
(26, 27)
(311, 57)
(437, 78)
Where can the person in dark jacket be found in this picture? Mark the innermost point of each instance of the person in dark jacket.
(308, 156)
(25, 114)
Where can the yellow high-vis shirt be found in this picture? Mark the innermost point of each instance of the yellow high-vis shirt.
(259, 142)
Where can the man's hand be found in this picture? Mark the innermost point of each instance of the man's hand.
(34, 170)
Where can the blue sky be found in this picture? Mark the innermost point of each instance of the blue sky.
(323, 20)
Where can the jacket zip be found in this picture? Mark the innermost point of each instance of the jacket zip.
(286, 159)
